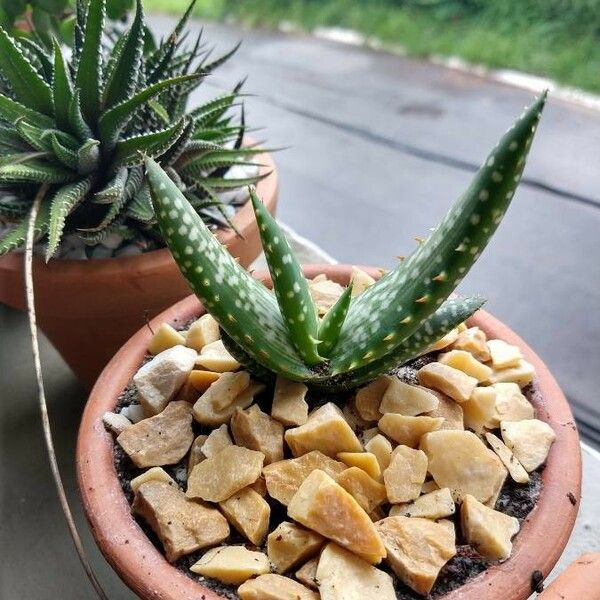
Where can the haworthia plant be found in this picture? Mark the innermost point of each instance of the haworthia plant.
(393, 321)
(81, 124)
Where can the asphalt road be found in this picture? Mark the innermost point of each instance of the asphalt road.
(380, 147)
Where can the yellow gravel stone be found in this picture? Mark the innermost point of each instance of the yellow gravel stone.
(341, 575)
(408, 430)
(514, 467)
(165, 337)
(405, 475)
(434, 505)
(363, 460)
(202, 380)
(206, 413)
(381, 447)
(196, 455)
(511, 405)
(216, 441)
(449, 410)
(473, 340)
(480, 409)
(327, 508)
(522, 374)
(365, 490)
(289, 406)
(227, 472)
(182, 525)
(283, 478)
(307, 574)
(275, 587)
(450, 381)
(249, 513)
(215, 357)
(231, 565)
(464, 361)
(406, 399)
(443, 342)
(325, 293)
(225, 389)
(354, 420)
(417, 549)
(326, 430)
(202, 332)
(369, 398)
(290, 545)
(459, 460)
(360, 281)
(503, 355)
(256, 430)
(529, 441)
(153, 474)
(488, 531)
(429, 486)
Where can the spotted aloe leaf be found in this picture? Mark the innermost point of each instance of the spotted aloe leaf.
(244, 308)
(390, 311)
(331, 325)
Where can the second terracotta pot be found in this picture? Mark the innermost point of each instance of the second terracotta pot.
(88, 309)
(539, 544)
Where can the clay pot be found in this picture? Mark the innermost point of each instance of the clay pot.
(88, 309)
(579, 581)
(143, 568)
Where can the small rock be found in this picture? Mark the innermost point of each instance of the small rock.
(446, 379)
(307, 574)
(160, 440)
(443, 342)
(409, 400)
(249, 513)
(366, 491)
(196, 455)
(202, 332)
(283, 478)
(522, 374)
(160, 379)
(112, 241)
(202, 380)
(434, 505)
(408, 430)
(117, 423)
(459, 460)
(369, 398)
(514, 467)
(231, 565)
(289, 545)
(449, 410)
(503, 355)
(479, 410)
(488, 531)
(227, 472)
(165, 337)
(256, 430)
(133, 412)
(216, 441)
(464, 361)
(343, 576)
(417, 549)
(326, 430)
(153, 474)
(325, 293)
(529, 440)
(327, 508)
(405, 475)
(129, 250)
(473, 340)
(363, 460)
(182, 525)
(215, 357)
(289, 405)
(360, 281)
(275, 587)
(511, 405)
(381, 447)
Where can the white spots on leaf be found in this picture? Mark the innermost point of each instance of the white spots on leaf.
(189, 250)
(513, 146)
(178, 204)
(484, 195)
(491, 161)
(296, 287)
(287, 259)
(497, 176)
(475, 218)
(187, 219)
(193, 235)
(182, 230)
(474, 250)
(173, 213)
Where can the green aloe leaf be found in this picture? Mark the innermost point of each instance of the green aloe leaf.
(88, 79)
(15, 238)
(245, 309)
(78, 124)
(35, 172)
(121, 82)
(114, 189)
(331, 325)
(62, 204)
(88, 156)
(11, 111)
(392, 309)
(65, 155)
(62, 90)
(29, 88)
(290, 285)
(140, 207)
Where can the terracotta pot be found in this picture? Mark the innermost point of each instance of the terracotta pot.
(144, 569)
(88, 309)
(579, 581)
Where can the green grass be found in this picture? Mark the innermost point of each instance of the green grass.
(564, 51)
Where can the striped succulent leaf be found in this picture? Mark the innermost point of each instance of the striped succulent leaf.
(391, 322)
(91, 116)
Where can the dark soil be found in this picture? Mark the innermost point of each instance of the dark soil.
(515, 499)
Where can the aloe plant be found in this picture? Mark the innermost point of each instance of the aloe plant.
(79, 126)
(393, 321)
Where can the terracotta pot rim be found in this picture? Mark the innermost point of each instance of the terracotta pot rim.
(243, 219)
(144, 569)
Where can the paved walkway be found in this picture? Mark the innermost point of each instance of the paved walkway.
(381, 146)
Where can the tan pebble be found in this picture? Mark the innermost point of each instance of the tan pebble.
(289, 545)
(325, 293)
(152, 474)
(227, 472)
(449, 410)
(473, 340)
(307, 573)
(165, 337)
(443, 342)
(405, 475)
(522, 374)
(363, 460)
(327, 508)
(360, 281)
(249, 513)
(215, 357)
(408, 400)
(363, 488)
(275, 587)
(283, 478)
(503, 355)
(434, 505)
(117, 423)
(256, 430)
(381, 447)
(480, 409)
(408, 430)
(216, 441)
(182, 525)
(511, 404)
(369, 398)
(529, 440)
(289, 405)
(202, 380)
(464, 361)
(202, 332)
(160, 440)
(514, 467)
(196, 455)
(450, 381)
(231, 565)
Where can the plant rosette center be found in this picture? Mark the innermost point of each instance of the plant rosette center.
(412, 483)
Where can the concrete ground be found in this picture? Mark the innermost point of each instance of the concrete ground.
(380, 146)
